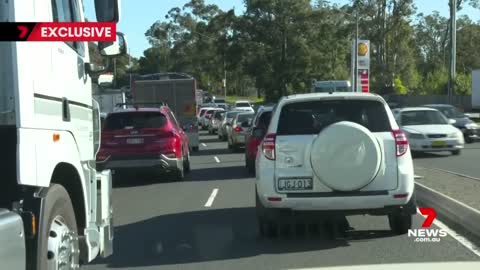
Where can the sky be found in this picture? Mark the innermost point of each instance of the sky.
(138, 15)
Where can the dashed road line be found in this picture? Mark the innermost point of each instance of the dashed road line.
(216, 159)
(204, 145)
(211, 198)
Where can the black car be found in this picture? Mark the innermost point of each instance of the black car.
(470, 129)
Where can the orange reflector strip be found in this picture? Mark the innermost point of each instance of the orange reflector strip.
(274, 199)
(400, 196)
(34, 225)
(56, 137)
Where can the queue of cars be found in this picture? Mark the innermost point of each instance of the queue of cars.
(337, 154)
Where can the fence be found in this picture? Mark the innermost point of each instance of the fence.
(464, 102)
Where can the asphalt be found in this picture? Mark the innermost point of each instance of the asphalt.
(466, 163)
(166, 225)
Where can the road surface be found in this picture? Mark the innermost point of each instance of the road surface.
(208, 222)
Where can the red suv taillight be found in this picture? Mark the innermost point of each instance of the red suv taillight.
(401, 142)
(268, 146)
(238, 129)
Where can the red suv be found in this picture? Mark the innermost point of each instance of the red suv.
(255, 135)
(144, 138)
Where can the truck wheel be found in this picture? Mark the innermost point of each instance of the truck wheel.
(58, 239)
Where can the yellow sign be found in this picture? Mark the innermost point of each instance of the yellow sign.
(362, 49)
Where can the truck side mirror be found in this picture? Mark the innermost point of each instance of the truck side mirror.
(113, 49)
(107, 10)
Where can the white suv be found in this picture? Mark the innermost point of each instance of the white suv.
(339, 154)
(243, 106)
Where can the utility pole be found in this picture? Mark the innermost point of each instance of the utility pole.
(355, 75)
(225, 76)
(453, 50)
(114, 73)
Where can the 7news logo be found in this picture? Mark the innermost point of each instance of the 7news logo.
(426, 234)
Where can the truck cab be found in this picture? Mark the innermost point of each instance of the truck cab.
(49, 136)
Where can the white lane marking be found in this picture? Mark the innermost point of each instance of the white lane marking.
(462, 240)
(211, 198)
(418, 177)
(204, 145)
(216, 159)
(450, 172)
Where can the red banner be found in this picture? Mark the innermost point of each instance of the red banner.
(71, 31)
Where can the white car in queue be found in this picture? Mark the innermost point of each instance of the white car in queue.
(428, 130)
(334, 154)
(243, 106)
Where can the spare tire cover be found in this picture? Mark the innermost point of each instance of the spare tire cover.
(345, 156)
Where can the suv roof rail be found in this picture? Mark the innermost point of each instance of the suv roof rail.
(137, 105)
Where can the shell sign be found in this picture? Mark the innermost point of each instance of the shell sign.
(362, 49)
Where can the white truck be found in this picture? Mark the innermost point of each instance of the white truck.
(476, 89)
(55, 207)
(108, 101)
(178, 91)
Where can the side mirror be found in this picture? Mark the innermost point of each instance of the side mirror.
(116, 48)
(107, 10)
(259, 133)
(452, 121)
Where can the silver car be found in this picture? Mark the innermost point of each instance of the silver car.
(236, 131)
(215, 121)
(226, 123)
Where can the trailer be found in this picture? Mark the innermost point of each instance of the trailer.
(178, 91)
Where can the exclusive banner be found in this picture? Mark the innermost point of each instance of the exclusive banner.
(71, 31)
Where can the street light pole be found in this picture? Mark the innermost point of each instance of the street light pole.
(453, 49)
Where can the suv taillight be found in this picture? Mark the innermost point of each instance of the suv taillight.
(238, 129)
(268, 146)
(401, 142)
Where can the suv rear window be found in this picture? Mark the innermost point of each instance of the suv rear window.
(244, 117)
(311, 117)
(135, 120)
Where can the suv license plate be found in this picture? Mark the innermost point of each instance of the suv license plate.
(294, 184)
(135, 141)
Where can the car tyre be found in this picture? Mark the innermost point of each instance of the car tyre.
(400, 223)
(179, 173)
(186, 164)
(267, 226)
(468, 139)
(456, 152)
